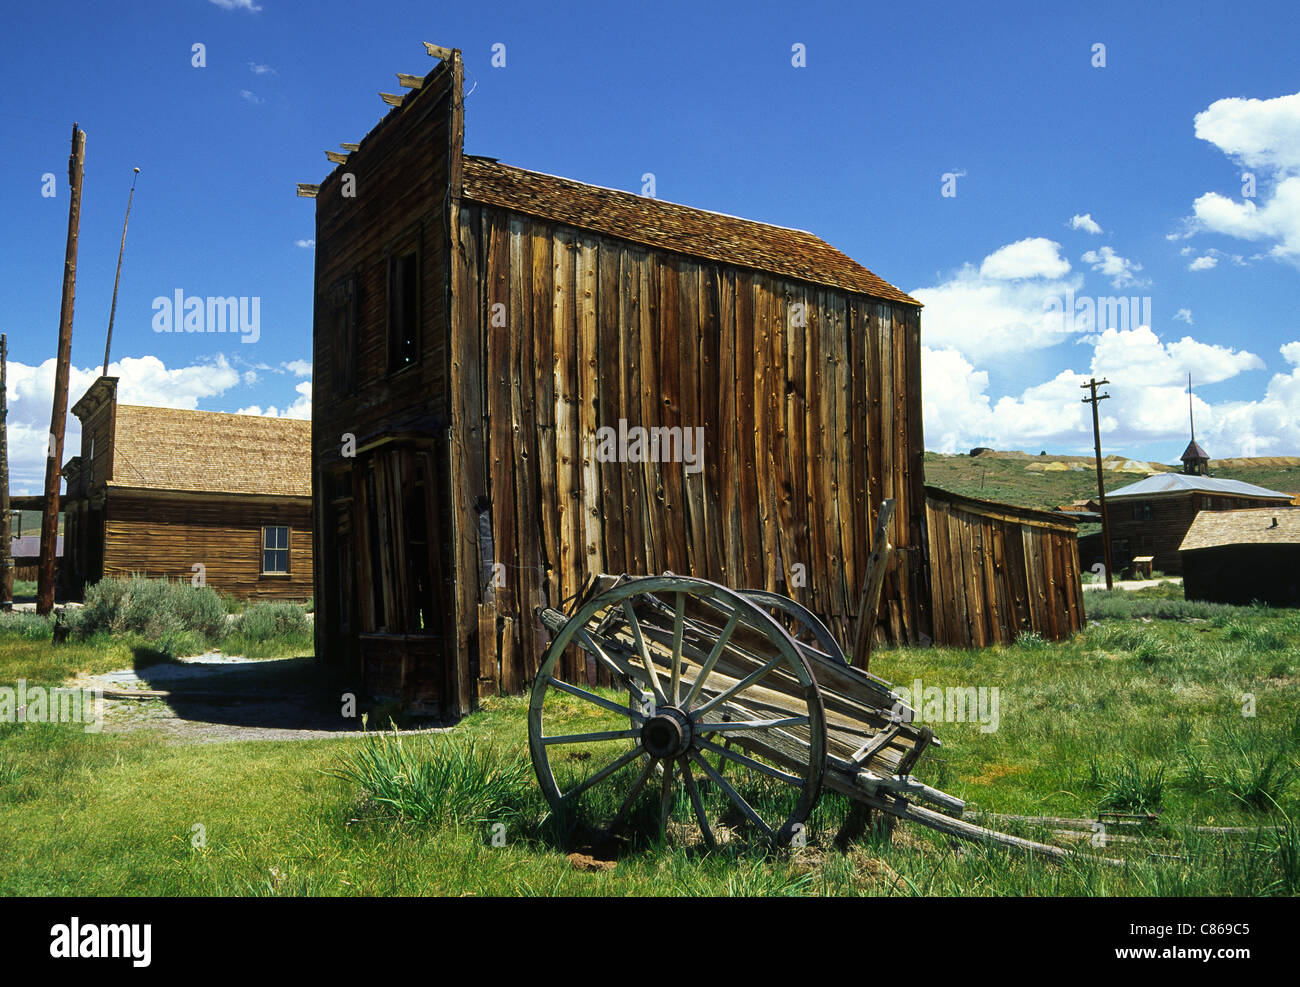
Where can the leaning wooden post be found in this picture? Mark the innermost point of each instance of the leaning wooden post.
(59, 413)
(6, 560)
(872, 583)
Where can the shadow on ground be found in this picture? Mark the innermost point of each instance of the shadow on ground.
(295, 694)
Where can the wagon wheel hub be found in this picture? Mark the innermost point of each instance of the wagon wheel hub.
(667, 734)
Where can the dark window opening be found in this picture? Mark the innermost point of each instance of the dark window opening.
(403, 310)
(415, 511)
(342, 329)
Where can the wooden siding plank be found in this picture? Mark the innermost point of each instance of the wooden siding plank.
(587, 365)
(610, 374)
(747, 402)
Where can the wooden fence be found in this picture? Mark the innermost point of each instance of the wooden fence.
(997, 571)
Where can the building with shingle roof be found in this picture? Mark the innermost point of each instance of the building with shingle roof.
(1243, 556)
(1152, 516)
(217, 499)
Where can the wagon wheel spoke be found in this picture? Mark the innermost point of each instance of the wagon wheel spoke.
(697, 803)
(718, 647)
(666, 798)
(679, 616)
(641, 648)
(726, 754)
(589, 738)
(616, 668)
(743, 684)
(734, 795)
(627, 803)
(615, 765)
(596, 700)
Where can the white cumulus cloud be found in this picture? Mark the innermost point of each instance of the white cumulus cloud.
(1003, 306)
(1085, 222)
(300, 408)
(1033, 257)
(1262, 135)
(1121, 271)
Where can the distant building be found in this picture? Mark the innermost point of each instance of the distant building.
(26, 553)
(1152, 516)
(1243, 556)
(175, 493)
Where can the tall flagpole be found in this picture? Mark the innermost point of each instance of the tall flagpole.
(112, 311)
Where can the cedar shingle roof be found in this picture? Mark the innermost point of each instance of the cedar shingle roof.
(668, 226)
(1250, 527)
(211, 452)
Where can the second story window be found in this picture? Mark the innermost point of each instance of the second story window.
(342, 329)
(403, 308)
(1141, 512)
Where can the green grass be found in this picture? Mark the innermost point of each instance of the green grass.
(1133, 715)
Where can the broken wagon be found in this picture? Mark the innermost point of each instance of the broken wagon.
(724, 716)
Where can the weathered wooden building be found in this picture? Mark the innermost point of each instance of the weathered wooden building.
(1153, 515)
(159, 491)
(523, 380)
(1242, 556)
(997, 571)
(489, 341)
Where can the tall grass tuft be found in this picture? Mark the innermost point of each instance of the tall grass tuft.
(1252, 766)
(1126, 786)
(436, 780)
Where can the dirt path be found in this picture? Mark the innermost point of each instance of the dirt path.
(1132, 584)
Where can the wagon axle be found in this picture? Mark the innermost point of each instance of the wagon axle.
(668, 734)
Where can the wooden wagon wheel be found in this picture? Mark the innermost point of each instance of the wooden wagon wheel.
(725, 740)
(799, 622)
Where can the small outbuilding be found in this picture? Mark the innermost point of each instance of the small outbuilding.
(1243, 556)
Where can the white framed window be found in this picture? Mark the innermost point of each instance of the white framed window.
(275, 549)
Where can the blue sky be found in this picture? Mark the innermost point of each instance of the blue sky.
(1120, 181)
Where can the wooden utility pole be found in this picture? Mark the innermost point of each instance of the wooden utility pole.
(6, 559)
(59, 413)
(112, 310)
(1092, 385)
